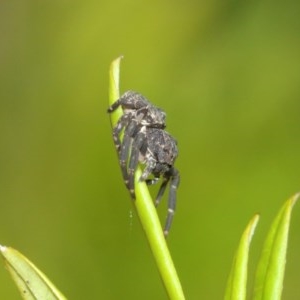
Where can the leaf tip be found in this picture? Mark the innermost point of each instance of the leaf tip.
(251, 226)
(3, 248)
(117, 60)
(294, 199)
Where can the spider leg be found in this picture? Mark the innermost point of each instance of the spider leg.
(125, 150)
(129, 100)
(137, 144)
(122, 123)
(151, 163)
(114, 106)
(175, 179)
(152, 181)
(161, 190)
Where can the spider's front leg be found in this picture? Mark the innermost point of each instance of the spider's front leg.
(126, 150)
(121, 124)
(130, 100)
(174, 178)
(127, 100)
(137, 144)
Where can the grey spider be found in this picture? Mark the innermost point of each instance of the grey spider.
(146, 141)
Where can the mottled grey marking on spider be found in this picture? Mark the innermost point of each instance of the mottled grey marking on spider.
(146, 141)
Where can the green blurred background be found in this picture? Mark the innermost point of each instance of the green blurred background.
(226, 72)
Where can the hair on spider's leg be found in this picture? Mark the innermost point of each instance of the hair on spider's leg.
(174, 183)
(137, 143)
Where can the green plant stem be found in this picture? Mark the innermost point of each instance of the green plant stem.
(145, 208)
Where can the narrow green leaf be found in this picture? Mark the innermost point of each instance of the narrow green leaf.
(31, 282)
(237, 281)
(113, 91)
(145, 207)
(270, 271)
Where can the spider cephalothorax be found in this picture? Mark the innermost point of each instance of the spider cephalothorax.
(138, 112)
(146, 141)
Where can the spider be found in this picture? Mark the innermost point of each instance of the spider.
(146, 141)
